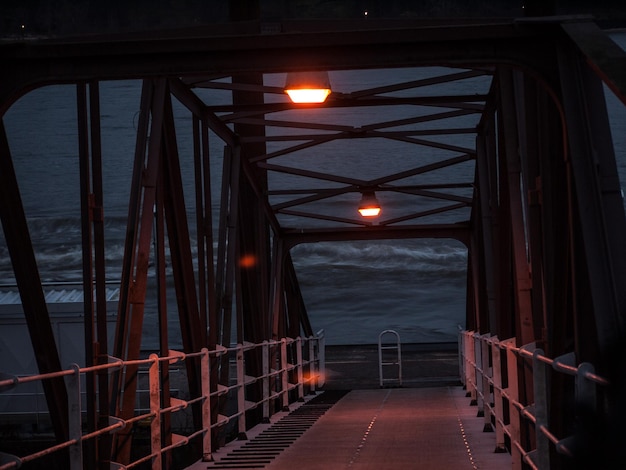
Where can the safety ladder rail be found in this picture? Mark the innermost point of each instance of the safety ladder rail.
(382, 363)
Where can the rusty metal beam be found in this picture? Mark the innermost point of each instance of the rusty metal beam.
(162, 311)
(193, 337)
(94, 303)
(533, 116)
(135, 266)
(483, 218)
(277, 287)
(360, 135)
(338, 100)
(40, 62)
(26, 273)
(295, 302)
(606, 59)
(510, 161)
(597, 203)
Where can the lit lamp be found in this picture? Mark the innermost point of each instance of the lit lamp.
(307, 87)
(369, 206)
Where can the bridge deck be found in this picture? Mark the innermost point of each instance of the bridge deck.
(425, 428)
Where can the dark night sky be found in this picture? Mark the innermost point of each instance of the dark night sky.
(68, 17)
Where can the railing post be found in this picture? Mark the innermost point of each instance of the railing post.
(299, 368)
(540, 391)
(312, 377)
(155, 411)
(265, 352)
(479, 375)
(205, 377)
(470, 372)
(241, 392)
(321, 354)
(74, 418)
(284, 374)
(461, 348)
(487, 374)
(512, 391)
(496, 354)
(585, 388)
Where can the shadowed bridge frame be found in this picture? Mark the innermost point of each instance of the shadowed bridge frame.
(544, 234)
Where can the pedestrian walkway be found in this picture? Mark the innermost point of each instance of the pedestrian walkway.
(398, 428)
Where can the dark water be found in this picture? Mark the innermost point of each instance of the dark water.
(353, 290)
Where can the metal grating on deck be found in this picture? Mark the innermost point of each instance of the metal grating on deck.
(269, 443)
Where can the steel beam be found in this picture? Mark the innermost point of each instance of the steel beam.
(135, 267)
(409, 43)
(26, 273)
(510, 161)
(94, 280)
(483, 221)
(597, 204)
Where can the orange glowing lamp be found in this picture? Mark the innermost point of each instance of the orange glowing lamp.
(369, 206)
(307, 87)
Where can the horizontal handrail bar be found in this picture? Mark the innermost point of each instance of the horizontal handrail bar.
(492, 378)
(308, 362)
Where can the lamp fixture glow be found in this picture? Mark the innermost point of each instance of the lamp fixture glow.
(307, 87)
(369, 206)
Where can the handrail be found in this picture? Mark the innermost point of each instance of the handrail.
(289, 364)
(492, 382)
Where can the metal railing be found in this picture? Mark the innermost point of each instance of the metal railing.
(489, 368)
(288, 365)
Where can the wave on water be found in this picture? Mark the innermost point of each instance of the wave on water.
(418, 256)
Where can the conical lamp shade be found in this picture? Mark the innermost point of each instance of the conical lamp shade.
(307, 87)
(369, 206)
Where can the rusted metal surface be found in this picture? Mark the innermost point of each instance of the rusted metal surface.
(20, 247)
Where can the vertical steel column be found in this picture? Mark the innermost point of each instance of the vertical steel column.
(101, 352)
(512, 391)
(534, 140)
(511, 162)
(474, 307)
(86, 206)
(92, 226)
(484, 220)
(598, 203)
(180, 250)
(228, 247)
(32, 296)
(75, 418)
(204, 227)
(135, 265)
(162, 312)
(155, 410)
(298, 317)
(253, 237)
(498, 403)
(277, 288)
(207, 419)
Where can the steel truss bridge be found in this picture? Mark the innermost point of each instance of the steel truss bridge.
(533, 192)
